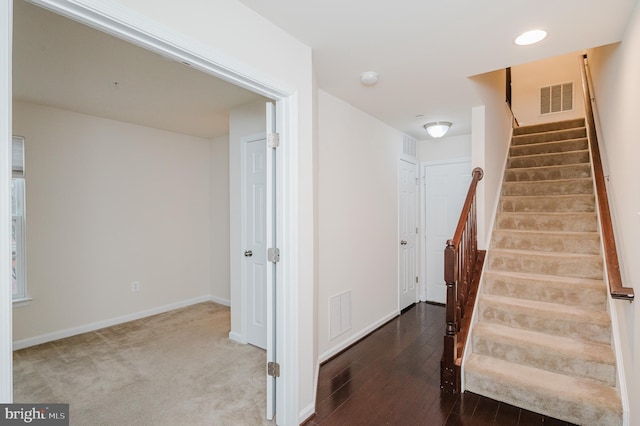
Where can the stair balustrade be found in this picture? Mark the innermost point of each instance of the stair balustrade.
(616, 289)
(462, 268)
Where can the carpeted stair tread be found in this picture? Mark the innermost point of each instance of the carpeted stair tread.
(549, 187)
(552, 318)
(582, 292)
(546, 263)
(549, 127)
(573, 357)
(548, 203)
(547, 241)
(572, 399)
(561, 171)
(550, 221)
(542, 337)
(550, 159)
(547, 147)
(560, 135)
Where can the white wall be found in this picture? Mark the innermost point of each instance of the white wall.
(358, 218)
(527, 79)
(219, 173)
(246, 120)
(109, 203)
(491, 135)
(446, 148)
(615, 70)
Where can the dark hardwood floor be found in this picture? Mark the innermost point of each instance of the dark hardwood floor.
(392, 377)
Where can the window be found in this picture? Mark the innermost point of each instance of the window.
(18, 220)
(556, 98)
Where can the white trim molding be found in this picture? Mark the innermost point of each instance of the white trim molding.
(220, 301)
(356, 337)
(6, 294)
(73, 331)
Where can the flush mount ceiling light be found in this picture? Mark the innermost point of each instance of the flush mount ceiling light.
(437, 129)
(530, 37)
(369, 78)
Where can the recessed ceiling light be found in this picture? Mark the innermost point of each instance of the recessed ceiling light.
(530, 37)
(369, 78)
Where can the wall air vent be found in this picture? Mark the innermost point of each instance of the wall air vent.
(409, 146)
(556, 98)
(339, 314)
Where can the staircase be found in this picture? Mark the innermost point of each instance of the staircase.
(543, 337)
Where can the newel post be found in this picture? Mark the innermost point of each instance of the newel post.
(449, 372)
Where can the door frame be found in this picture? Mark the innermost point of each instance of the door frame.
(423, 216)
(120, 22)
(411, 160)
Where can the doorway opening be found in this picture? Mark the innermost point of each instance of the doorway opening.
(166, 45)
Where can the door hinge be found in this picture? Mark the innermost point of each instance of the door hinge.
(416, 280)
(273, 369)
(273, 255)
(416, 229)
(273, 140)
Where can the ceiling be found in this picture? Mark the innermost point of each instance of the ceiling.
(61, 63)
(423, 50)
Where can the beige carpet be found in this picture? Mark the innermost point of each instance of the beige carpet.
(543, 337)
(176, 368)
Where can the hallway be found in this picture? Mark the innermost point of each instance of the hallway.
(392, 377)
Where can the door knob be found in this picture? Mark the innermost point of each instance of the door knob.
(403, 242)
(248, 253)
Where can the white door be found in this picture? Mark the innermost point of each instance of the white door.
(446, 187)
(258, 207)
(270, 217)
(407, 230)
(255, 241)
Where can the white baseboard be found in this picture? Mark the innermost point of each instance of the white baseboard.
(308, 411)
(342, 345)
(221, 301)
(48, 337)
(236, 337)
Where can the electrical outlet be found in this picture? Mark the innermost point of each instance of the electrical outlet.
(135, 286)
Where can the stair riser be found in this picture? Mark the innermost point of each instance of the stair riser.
(563, 266)
(538, 357)
(575, 171)
(577, 412)
(549, 127)
(543, 160)
(564, 187)
(543, 148)
(586, 297)
(581, 222)
(545, 323)
(542, 341)
(575, 204)
(561, 243)
(560, 135)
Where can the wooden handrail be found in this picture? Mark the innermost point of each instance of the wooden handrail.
(616, 289)
(461, 275)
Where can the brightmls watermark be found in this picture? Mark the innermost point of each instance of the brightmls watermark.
(34, 414)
